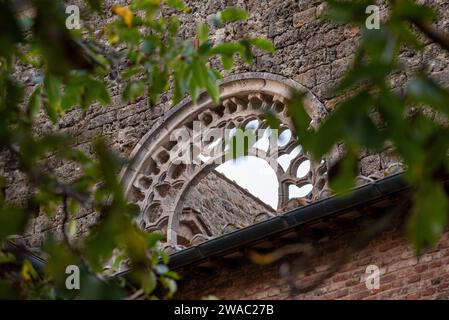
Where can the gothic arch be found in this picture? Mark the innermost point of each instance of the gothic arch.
(158, 186)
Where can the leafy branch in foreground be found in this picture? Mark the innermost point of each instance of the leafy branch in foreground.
(375, 116)
(158, 53)
(72, 72)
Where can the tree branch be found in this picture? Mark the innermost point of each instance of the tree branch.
(433, 34)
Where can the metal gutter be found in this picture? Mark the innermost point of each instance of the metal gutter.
(360, 196)
(22, 254)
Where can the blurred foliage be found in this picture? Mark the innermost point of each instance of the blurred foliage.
(153, 58)
(375, 116)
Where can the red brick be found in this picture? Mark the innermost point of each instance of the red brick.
(435, 264)
(361, 295)
(273, 292)
(387, 277)
(352, 282)
(413, 296)
(341, 293)
(387, 246)
(443, 287)
(385, 286)
(428, 292)
(428, 275)
(421, 268)
(413, 278)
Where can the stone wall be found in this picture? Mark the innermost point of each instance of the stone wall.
(313, 52)
(306, 51)
(224, 205)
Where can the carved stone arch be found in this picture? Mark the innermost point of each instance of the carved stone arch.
(158, 185)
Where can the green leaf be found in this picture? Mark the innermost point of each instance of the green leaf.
(161, 268)
(102, 92)
(150, 45)
(263, 44)
(340, 124)
(97, 5)
(212, 86)
(28, 272)
(94, 90)
(129, 35)
(364, 132)
(173, 275)
(52, 87)
(246, 53)
(178, 4)
(149, 282)
(144, 4)
(180, 85)
(272, 119)
(391, 108)
(11, 33)
(154, 238)
(227, 48)
(406, 35)
(426, 91)
(348, 11)
(226, 51)
(203, 32)
(7, 292)
(381, 46)
(165, 257)
(72, 228)
(342, 175)
(7, 257)
(300, 118)
(201, 78)
(170, 285)
(429, 216)
(227, 61)
(72, 96)
(133, 90)
(233, 14)
(410, 10)
(159, 83)
(360, 74)
(173, 25)
(34, 103)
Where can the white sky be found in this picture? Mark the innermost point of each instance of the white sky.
(256, 175)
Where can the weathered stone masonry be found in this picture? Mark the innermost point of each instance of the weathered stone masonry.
(312, 52)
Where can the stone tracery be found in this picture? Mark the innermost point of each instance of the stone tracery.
(159, 186)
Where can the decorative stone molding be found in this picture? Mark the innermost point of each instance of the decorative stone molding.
(159, 186)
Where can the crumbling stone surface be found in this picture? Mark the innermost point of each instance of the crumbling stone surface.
(222, 202)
